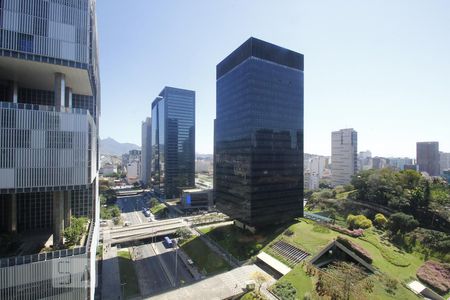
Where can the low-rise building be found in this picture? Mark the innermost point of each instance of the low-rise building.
(108, 170)
(197, 199)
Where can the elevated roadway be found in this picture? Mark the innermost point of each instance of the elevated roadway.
(145, 231)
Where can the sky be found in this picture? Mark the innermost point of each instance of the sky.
(381, 67)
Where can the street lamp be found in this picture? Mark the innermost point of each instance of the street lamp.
(176, 261)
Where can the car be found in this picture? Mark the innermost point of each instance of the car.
(190, 261)
(126, 223)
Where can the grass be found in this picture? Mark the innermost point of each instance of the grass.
(127, 274)
(307, 237)
(204, 258)
(240, 243)
(298, 278)
(158, 209)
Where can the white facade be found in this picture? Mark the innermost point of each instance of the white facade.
(344, 146)
(133, 171)
(43, 148)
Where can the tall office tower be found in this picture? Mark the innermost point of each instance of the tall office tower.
(428, 157)
(173, 141)
(258, 135)
(344, 147)
(444, 161)
(146, 152)
(49, 110)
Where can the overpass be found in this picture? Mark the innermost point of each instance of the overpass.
(127, 192)
(145, 231)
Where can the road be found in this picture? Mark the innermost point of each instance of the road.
(131, 208)
(150, 273)
(156, 269)
(181, 274)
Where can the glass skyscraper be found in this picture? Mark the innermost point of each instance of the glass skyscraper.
(173, 141)
(258, 136)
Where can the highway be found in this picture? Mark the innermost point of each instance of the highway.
(131, 208)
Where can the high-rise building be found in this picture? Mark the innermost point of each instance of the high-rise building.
(428, 157)
(146, 151)
(173, 141)
(444, 161)
(49, 111)
(258, 137)
(344, 147)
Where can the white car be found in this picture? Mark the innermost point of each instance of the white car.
(126, 223)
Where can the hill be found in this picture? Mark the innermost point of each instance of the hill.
(113, 147)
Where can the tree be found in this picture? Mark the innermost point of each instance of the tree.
(401, 222)
(260, 279)
(380, 220)
(183, 234)
(344, 281)
(75, 231)
(153, 202)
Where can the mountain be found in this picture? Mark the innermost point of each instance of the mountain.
(111, 146)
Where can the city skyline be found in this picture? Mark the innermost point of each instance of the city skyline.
(392, 84)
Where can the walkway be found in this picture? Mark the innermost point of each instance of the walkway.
(110, 270)
(222, 286)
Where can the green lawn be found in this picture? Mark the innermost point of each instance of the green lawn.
(158, 209)
(299, 279)
(242, 244)
(204, 258)
(310, 240)
(127, 274)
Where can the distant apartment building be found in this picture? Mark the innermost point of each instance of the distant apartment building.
(399, 163)
(365, 161)
(131, 156)
(146, 152)
(173, 141)
(315, 167)
(379, 162)
(446, 175)
(428, 158)
(133, 171)
(108, 170)
(344, 146)
(258, 135)
(444, 161)
(49, 112)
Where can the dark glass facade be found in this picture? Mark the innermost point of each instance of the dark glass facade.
(258, 136)
(173, 141)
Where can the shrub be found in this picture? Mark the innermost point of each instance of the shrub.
(75, 231)
(380, 220)
(360, 251)
(391, 285)
(288, 232)
(401, 222)
(285, 290)
(436, 275)
(359, 221)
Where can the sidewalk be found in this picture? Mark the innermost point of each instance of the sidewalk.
(110, 270)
